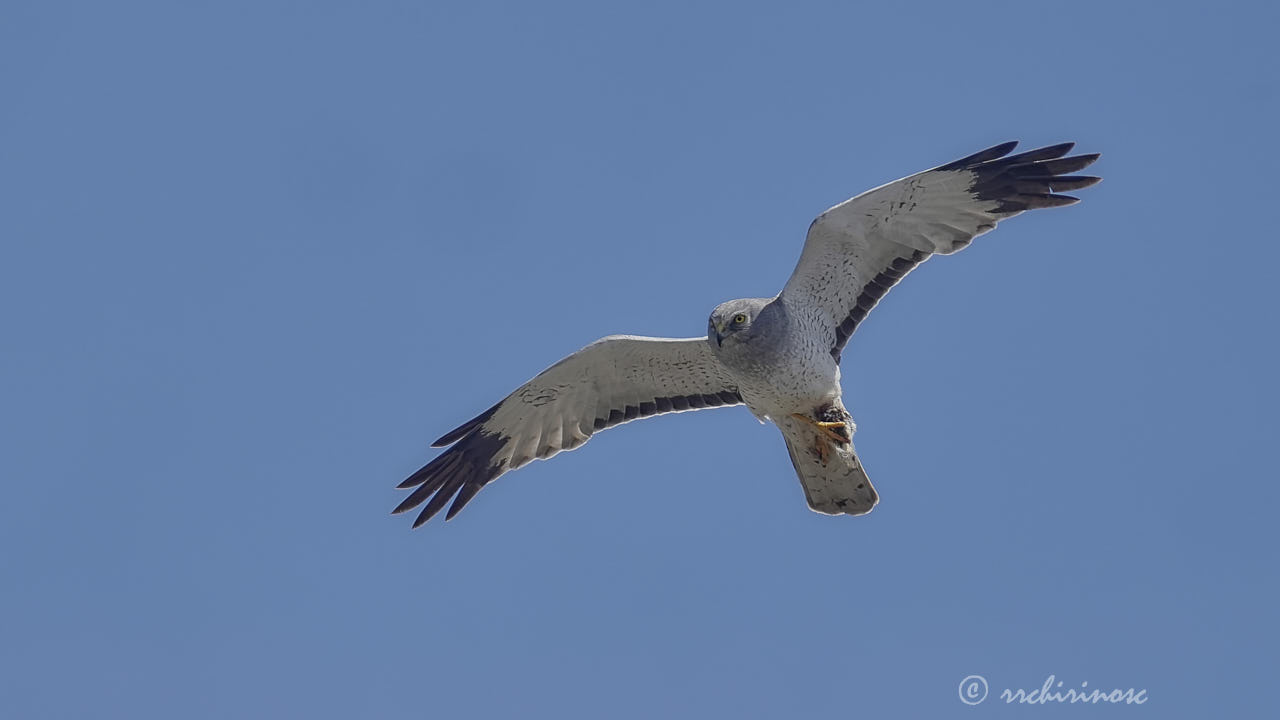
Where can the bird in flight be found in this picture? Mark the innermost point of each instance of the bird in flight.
(779, 356)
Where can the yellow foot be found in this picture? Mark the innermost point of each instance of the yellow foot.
(836, 432)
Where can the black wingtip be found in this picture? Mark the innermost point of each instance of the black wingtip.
(432, 469)
(454, 435)
(415, 479)
(999, 151)
(1062, 182)
(1059, 166)
(438, 501)
(992, 153)
(1048, 152)
(421, 493)
(462, 430)
(1032, 179)
(1054, 200)
(463, 497)
(447, 440)
(1086, 160)
(405, 505)
(461, 471)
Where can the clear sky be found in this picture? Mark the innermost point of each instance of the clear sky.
(257, 255)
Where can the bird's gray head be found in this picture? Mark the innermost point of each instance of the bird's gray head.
(731, 321)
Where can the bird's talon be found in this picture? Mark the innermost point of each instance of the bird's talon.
(836, 432)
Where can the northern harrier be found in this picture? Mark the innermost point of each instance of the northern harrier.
(779, 356)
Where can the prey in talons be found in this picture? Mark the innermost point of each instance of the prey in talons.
(834, 426)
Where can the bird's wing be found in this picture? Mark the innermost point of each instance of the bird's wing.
(611, 381)
(858, 249)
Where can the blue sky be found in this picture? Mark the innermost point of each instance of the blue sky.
(256, 256)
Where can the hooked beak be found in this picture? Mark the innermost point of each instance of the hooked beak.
(719, 336)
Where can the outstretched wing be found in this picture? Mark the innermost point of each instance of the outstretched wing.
(858, 249)
(609, 382)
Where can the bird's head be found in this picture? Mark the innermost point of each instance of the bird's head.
(731, 320)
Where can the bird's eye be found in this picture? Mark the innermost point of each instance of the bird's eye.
(739, 319)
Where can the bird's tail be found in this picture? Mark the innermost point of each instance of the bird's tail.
(833, 479)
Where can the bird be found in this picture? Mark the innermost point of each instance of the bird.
(778, 356)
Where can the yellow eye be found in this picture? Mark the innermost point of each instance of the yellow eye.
(739, 319)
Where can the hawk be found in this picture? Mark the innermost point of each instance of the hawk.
(779, 356)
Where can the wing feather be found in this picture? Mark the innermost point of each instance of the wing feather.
(611, 381)
(856, 251)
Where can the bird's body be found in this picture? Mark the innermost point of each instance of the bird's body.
(779, 356)
(780, 364)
